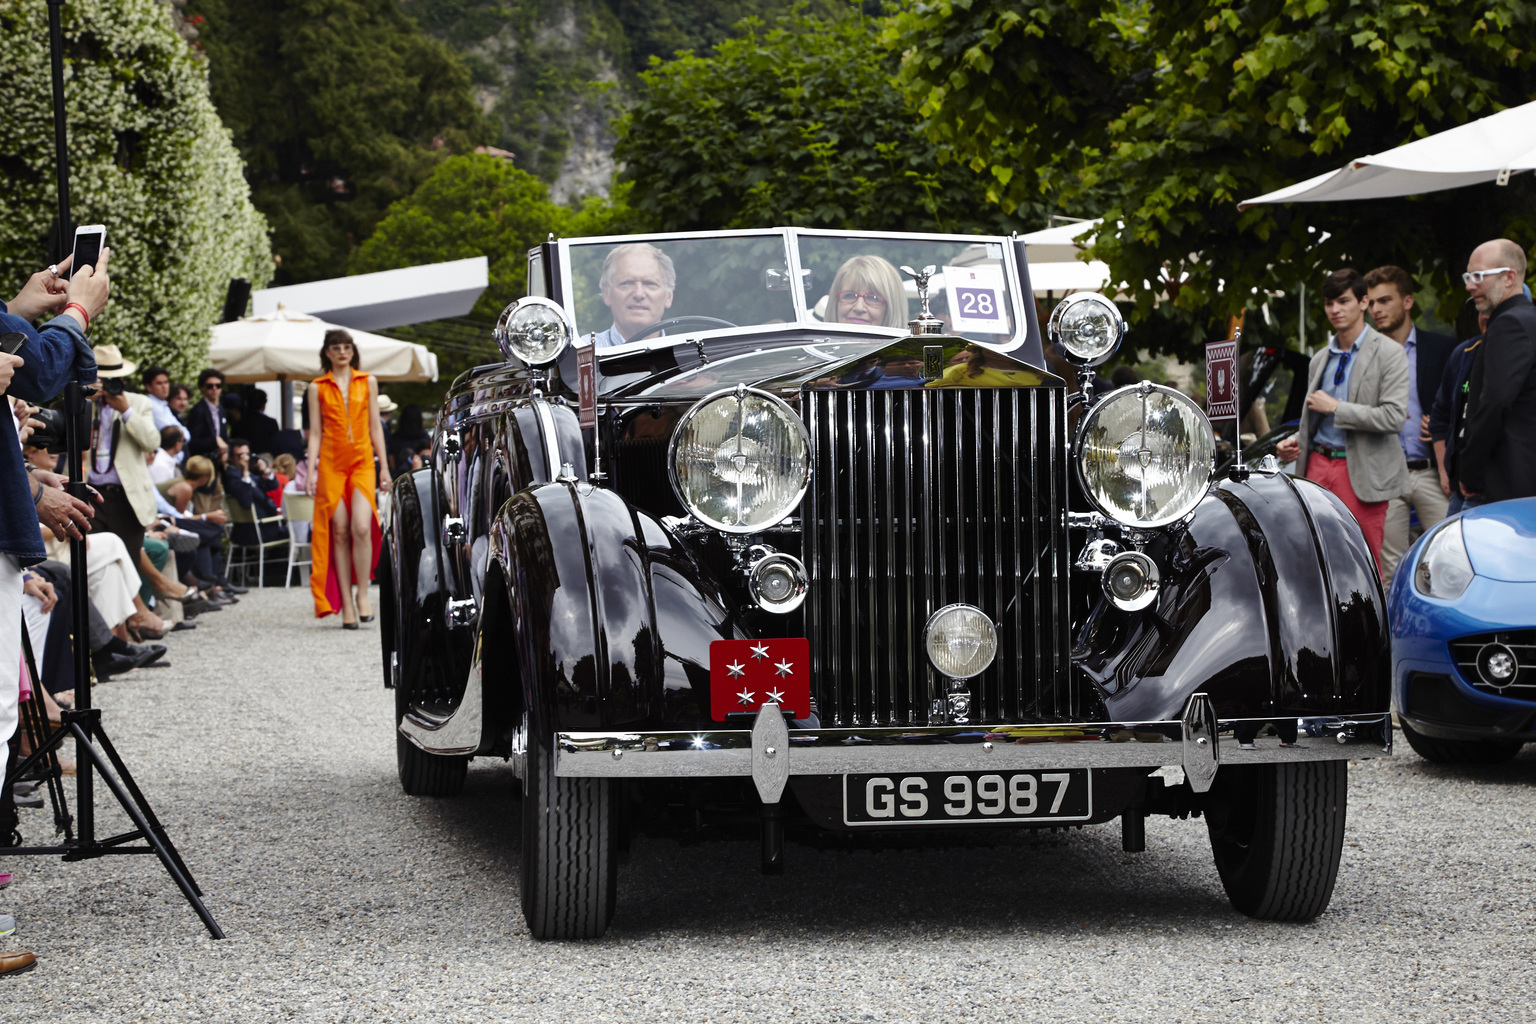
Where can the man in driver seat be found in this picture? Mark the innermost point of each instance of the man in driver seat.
(637, 284)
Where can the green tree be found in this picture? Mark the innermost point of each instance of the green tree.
(1227, 100)
(149, 159)
(549, 73)
(339, 108)
(472, 205)
(795, 124)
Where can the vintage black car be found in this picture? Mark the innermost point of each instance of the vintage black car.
(804, 523)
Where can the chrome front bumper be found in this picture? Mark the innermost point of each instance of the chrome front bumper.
(1196, 742)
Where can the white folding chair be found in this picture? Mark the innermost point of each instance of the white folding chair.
(298, 509)
(243, 556)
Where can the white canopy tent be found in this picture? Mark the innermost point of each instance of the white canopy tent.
(389, 298)
(1488, 149)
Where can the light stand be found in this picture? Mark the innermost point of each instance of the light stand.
(83, 722)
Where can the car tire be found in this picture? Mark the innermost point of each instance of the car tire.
(570, 851)
(1277, 831)
(1431, 748)
(421, 773)
(424, 774)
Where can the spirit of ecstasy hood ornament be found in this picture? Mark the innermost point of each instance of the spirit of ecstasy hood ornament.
(926, 322)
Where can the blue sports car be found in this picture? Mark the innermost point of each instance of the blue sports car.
(1463, 611)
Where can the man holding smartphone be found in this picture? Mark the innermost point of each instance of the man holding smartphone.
(36, 368)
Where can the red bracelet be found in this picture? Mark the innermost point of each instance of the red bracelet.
(83, 313)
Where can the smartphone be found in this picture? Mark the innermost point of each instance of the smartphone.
(11, 342)
(90, 239)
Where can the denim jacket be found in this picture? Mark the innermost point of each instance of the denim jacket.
(53, 355)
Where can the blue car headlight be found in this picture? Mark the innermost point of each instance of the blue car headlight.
(1444, 571)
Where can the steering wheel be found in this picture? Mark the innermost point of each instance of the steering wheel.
(679, 321)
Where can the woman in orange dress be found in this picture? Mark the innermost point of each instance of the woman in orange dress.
(344, 436)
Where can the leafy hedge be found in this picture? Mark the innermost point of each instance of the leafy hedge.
(149, 158)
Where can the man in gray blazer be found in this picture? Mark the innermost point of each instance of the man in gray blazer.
(1357, 403)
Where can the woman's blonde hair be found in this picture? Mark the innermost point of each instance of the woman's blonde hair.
(198, 467)
(868, 272)
(285, 464)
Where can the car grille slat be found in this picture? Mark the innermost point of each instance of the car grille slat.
(921, 498)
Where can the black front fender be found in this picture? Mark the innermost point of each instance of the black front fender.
(1271, 604)
(610, 616)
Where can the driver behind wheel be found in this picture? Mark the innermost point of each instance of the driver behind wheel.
(637, 284)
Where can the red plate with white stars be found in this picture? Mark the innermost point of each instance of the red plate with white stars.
(746, 674)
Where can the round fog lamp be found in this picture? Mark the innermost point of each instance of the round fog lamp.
(1088, 327)
(778, 583)
(1130, 581)
(961, 641)
(1497, 665)
(532, 330)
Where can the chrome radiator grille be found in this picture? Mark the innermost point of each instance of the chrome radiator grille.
(922, 498)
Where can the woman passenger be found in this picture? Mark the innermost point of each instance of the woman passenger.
(867, 290)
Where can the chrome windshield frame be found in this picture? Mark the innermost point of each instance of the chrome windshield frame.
(792, 238)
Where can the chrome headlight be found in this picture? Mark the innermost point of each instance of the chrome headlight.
(740, 460)
(1444, 571)
(533, 330)
(1145, 455)
(1088, 326)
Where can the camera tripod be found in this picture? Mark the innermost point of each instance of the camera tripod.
(91, 742)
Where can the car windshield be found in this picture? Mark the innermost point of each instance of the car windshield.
(619, 289)
(636, 291)
(857, 280)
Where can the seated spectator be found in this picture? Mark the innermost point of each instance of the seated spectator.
(249, 491)
(207, 494)
(268, 479)
(285, 467)
(165, 469)
(50, 629)
(257, 427)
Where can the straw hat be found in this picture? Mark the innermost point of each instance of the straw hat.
(110, 362)
(386, 404)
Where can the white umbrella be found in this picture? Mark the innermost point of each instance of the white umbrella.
(1488, 149)
(284, 345)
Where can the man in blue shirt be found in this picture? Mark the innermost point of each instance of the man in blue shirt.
(1390, 295)
(637, 284)
(1357, 403)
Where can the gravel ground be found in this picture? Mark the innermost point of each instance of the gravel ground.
(266, 748)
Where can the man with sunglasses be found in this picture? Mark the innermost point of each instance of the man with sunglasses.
(1496, 457)
(1357, 403)
(210, 433)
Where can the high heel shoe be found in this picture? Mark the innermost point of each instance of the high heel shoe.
(349, 625)
(365, 618)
